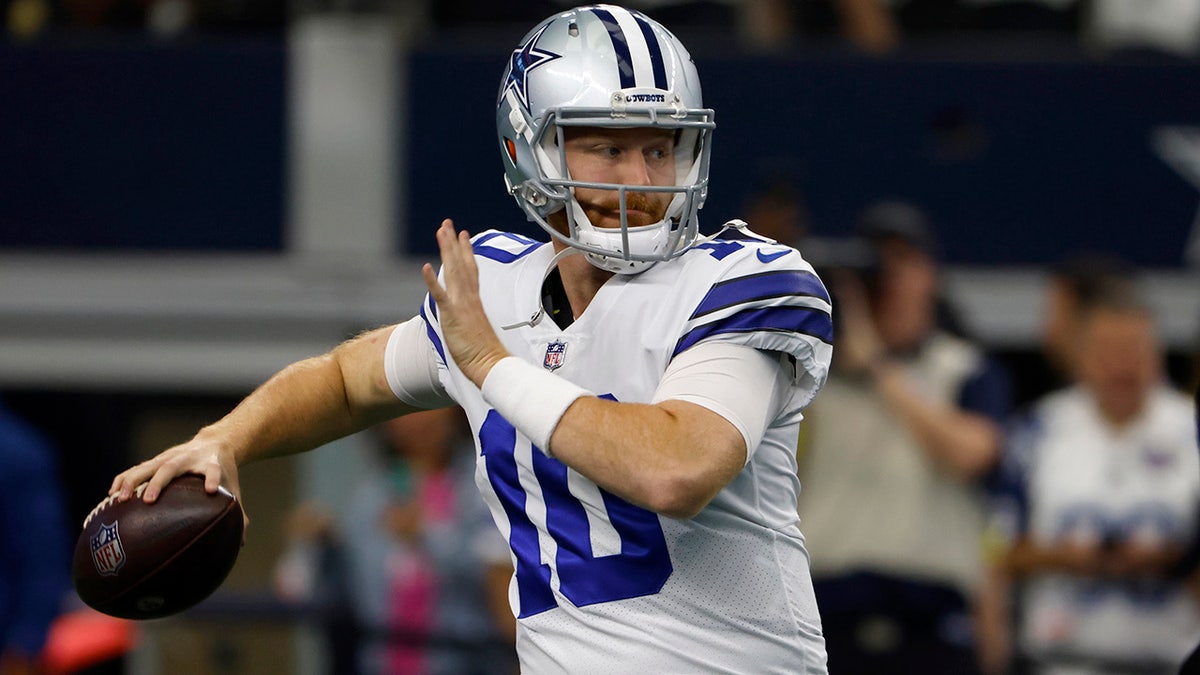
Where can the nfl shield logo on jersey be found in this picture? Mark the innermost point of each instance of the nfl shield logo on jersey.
(555, 355)
(107, 552)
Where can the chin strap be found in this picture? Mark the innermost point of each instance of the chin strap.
(540, 311)
(735, 224)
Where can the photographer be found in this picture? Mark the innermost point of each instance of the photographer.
(893, 456)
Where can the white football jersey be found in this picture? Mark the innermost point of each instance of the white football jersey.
(1082, 480)
(601, 585)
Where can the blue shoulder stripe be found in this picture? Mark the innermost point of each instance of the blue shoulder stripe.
(760, 286)
(787, 319)
(511, 246)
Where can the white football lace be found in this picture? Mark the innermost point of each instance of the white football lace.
(108, 501)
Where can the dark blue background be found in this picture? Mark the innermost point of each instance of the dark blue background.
(119, 146)
(1019, 160)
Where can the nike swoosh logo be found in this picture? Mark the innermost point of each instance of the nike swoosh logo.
(768, 257)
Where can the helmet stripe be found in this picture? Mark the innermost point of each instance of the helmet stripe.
(656, 55)
(639, 50)
(620, 46)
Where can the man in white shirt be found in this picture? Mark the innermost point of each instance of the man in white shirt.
(1101, 489)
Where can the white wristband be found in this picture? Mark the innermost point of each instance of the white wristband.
(531, 399)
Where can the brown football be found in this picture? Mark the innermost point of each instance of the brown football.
(144, 561)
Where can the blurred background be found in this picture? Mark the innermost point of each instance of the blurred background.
(195, 193)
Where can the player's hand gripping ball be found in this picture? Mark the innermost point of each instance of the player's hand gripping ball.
(144, 561)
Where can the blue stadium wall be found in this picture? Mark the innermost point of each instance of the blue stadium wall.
(120, 146)
(1019, 161)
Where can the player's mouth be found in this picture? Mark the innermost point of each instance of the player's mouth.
(612, 219)
(634, 217)
(640, 210)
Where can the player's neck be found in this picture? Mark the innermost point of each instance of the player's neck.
(581, 280)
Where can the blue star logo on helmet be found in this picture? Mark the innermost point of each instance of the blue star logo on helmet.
(524, 59)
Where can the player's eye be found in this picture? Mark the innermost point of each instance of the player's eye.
(658, 154)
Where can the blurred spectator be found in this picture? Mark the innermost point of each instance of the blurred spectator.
(451, 575)
(1075, 284)
(777, 210)
(426, 572)
(1101, 489)
(903, 431)
(313, 573)
(1192, 663)
(34, 560)
(26, 19)
(1160, 26)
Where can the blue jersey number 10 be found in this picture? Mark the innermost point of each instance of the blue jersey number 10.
(641, 568)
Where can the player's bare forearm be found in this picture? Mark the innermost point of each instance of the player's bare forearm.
(305, 405)
(311, 403)
(671, 457)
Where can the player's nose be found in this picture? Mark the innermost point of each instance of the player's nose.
(635, 169)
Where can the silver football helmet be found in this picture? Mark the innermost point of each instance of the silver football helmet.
(603, 66)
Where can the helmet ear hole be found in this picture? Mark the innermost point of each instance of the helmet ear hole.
(511, 148)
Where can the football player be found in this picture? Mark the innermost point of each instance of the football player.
(634, 388)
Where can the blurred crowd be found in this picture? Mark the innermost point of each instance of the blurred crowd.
(871, 26)
(956, 527)
(29, 19)
(413, 580)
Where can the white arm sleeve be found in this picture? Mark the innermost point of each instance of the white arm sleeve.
(412, 368)
(748, 387)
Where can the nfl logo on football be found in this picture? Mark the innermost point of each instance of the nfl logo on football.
(555, 355)
(107, 552)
